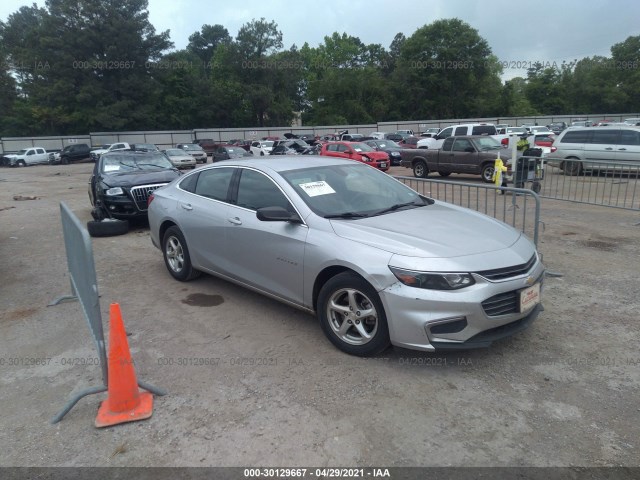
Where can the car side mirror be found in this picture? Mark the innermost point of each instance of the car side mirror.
(277, 214)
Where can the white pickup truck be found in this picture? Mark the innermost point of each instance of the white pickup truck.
(435, 142)
(28, 156)
(95, 154)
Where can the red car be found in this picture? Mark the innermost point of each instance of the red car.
(357, 151)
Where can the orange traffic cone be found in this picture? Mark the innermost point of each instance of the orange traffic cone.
(125, 402)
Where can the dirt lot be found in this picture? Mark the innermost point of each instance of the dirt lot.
(564, 393)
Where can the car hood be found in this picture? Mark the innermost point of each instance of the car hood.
(11, 156)
(126, 179)
(433, 231)
(375, 155)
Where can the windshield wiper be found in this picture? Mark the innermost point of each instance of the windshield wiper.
(347, 215)
(397, 206)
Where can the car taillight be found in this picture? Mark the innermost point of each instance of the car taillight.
(149, 200)
(553, 149)
(504, 141)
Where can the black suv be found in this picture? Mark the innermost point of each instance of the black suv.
(72, 153)
(122, 181)
(557, 127)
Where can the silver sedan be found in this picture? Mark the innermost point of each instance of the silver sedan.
(377, 263)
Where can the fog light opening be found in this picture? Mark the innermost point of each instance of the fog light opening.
(449, 325)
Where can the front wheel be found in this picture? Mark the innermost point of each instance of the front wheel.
(176, 255)
(487, 173)
(352, 316)
(420, 169)
(21, 163)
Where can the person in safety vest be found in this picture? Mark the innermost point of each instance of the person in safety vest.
(499, 169)
(523, 143)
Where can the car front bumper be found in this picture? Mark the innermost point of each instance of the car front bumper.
(431, 320)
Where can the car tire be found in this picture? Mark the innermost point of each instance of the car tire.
(420, 169)
(444, 174)
(176, 255)
(64, 160)
(108, 227)
(572, 167)
(487, 173)
(21, 163)
(340, 304)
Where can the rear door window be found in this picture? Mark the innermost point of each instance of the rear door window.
(484, 130)
(629, 137)
(214, 183)
(605, 137)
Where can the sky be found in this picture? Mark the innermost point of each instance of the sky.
(519, 33)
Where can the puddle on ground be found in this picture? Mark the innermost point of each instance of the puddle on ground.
(203, 300)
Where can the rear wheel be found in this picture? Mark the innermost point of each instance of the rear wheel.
(572, 167)
(420, 169)
(176, 255)
(352, 316)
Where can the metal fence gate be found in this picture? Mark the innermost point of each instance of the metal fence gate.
(609, 184)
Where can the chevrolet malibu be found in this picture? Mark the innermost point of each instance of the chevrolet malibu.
(376, 262)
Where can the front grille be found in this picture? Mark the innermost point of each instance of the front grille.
(141, 194)
(508, 272)
(502, 304)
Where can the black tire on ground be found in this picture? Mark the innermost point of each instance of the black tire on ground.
(107, 227)
(21, 163)
(176, 255)
(487, 173)
(420, 169)
(64, 160)
(444, 174)
(344, 330)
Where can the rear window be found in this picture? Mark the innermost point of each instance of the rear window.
(484, 130)
(576, 136)
(629, 137)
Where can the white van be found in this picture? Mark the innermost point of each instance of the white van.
(591, 148)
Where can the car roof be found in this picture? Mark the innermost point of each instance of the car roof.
(284, 163)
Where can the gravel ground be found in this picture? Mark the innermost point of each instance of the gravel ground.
(277, 393)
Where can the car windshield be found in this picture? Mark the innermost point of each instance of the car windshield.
(351, 191)
(388, 144)
(191, 147)
(116, 163)
(145, 146)
(362, 147)
(23, 151)
(266, 144)
(517, 130)
(488, 143)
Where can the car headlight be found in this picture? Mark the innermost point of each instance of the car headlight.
(433, 281)
(395, 154)
(114, 191)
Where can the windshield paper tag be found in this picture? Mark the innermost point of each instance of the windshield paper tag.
(314, 189)
(111, 168)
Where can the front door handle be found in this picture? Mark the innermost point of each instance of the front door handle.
(186, 206)
(622, 149)
(608, 148)
(235, 220)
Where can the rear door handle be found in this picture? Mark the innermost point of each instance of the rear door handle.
(235, 220)
(186, 206)
(608, 148)
(623, 149)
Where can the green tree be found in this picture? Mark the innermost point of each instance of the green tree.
(625, 64)
(442, 69)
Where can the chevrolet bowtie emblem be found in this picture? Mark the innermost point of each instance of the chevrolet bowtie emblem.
(530, 281)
